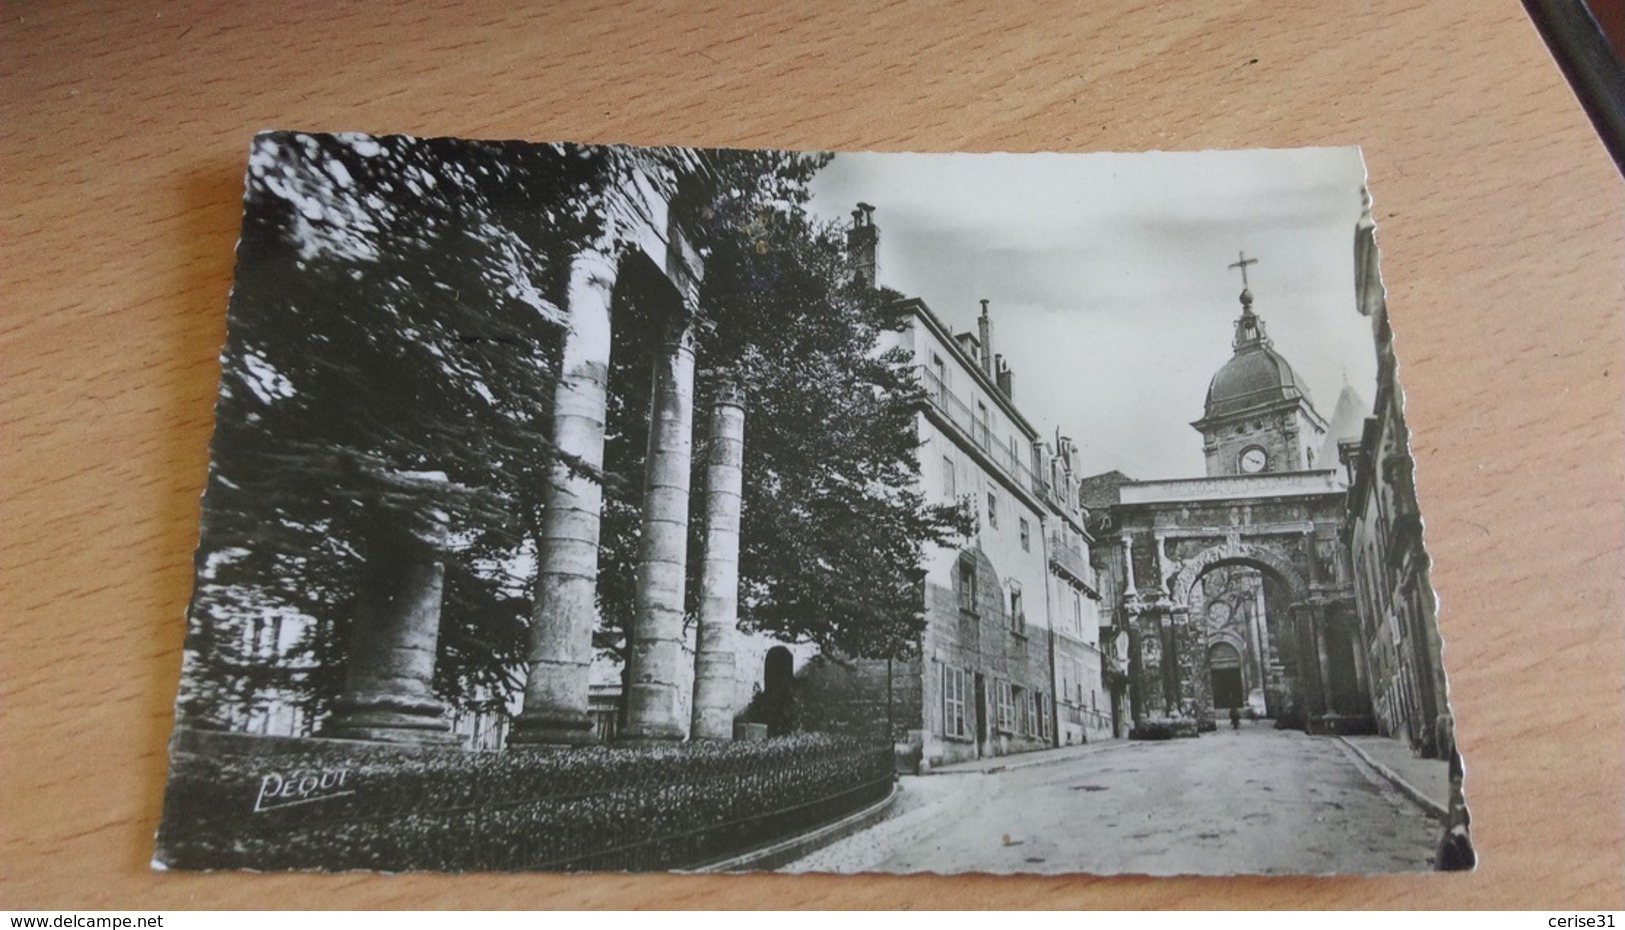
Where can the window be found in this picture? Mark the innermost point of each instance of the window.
(1077, 614)
(262, 638)
(949, 484)
(1006, 695)
(967, 584)
(1018, 616)
(1040, 716)
(941, 371)
(953, 703)
(1026, 534)
(993, 509)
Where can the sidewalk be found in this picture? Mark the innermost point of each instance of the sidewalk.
(1425, 781)
(1022, 760)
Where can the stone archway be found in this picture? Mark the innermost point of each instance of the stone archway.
(1269, 673)
(1184, 545)
(1256, 556)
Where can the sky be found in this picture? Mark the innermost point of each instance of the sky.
(1107, 277)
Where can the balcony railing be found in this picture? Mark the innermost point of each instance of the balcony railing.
(1068, 560)
(955, 411)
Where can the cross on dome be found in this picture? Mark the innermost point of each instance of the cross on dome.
(1242, 262)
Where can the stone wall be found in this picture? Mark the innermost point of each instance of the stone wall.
(982, 644)
(1285, 433)
(849, 696)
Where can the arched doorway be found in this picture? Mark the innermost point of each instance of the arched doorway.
(1240, 599)
(778, 671)
(1224, 671)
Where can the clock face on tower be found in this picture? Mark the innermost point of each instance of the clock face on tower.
(1253, 460)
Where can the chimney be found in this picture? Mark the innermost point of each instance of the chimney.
(861, 242)
(1001, 376)
(985, 327)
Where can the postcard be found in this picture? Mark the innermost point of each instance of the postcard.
(589, 507)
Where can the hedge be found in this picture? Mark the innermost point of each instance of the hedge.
(1161, 728)
(597, 807)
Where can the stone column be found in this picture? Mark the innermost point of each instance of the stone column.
(1136, 665)
(1190, 660)
(565, 612)
(1157, 544)
(654, 701)
(1128, 566)
(1259, 629)
(1318, 617)
(1362, 680)
(1304, 689)
(389, 677)
(1171, 662)
(719, 575)
(1313, 692)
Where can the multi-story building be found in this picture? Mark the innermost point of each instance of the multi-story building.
(1010, 659)
(1083, 697)
(1383, 533)
(986, 657)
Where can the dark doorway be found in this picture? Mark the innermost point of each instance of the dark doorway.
(1116, 693)
(1342, 680)
(778, 671)
(1227, 688)
(1224, 665)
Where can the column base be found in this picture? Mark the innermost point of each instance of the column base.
(541, 730)
(652, 715)
(651, 736)
(720, 727)
(390, 719)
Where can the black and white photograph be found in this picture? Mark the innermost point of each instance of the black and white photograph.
(602, 508)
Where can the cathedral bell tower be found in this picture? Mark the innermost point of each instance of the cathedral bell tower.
(1258, 416)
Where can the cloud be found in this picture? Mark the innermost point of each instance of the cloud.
(1108, 276)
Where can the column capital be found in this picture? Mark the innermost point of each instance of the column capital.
(730, 393)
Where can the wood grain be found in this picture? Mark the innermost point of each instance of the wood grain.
(125, 131)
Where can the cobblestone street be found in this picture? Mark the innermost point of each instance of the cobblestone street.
(1255, 800)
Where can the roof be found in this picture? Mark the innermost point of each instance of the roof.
(1348, 420)
(1098, 492)
(950, 342)
(1256, 376)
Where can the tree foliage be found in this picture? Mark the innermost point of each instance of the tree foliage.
(389, 347)
(834, 523)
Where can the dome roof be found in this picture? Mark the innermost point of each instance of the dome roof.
(1255, 376)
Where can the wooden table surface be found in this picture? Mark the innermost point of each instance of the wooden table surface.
(125, 130)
